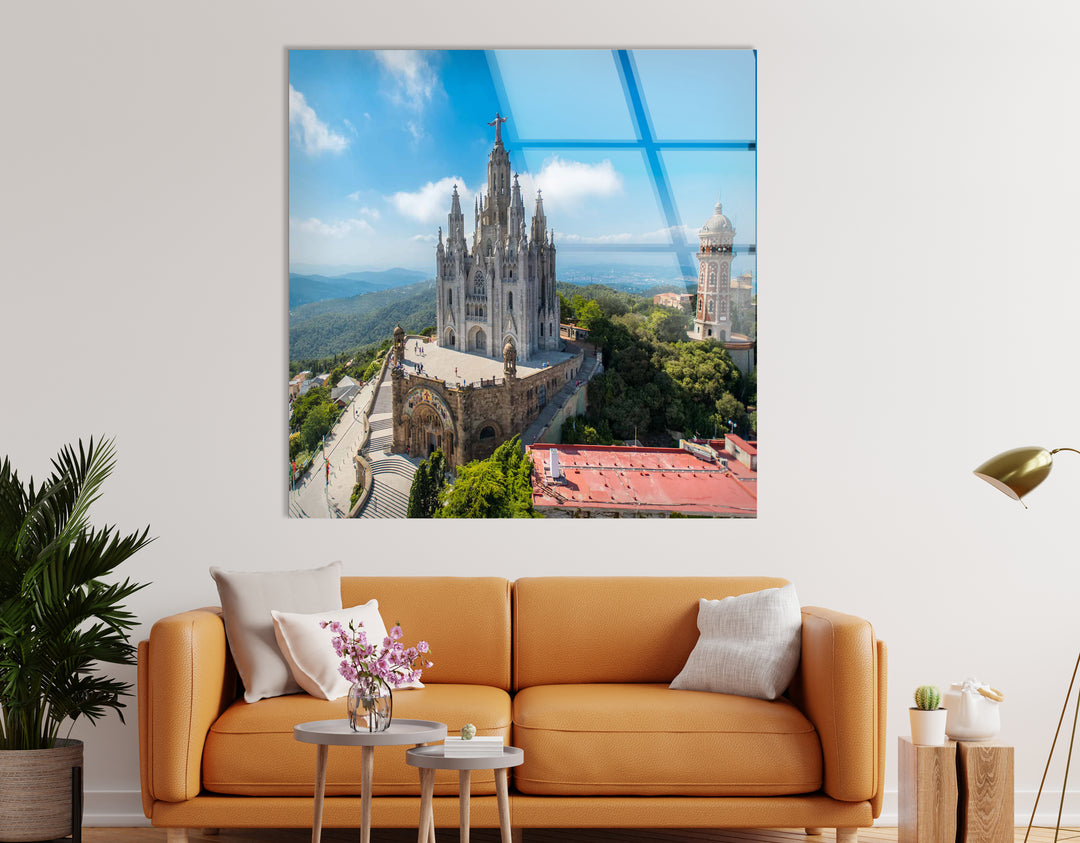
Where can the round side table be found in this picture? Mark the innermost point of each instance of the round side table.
(327, 733)
(431, 758)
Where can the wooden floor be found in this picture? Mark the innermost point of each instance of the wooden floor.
(487, 835)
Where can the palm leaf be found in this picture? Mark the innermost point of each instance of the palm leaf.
(60, 617)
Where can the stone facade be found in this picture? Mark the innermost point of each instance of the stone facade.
(503, 287)
(469, 422)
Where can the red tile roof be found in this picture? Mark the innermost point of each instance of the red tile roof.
(648, 480)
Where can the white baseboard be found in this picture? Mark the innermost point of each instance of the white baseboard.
(123, 809)
(113, 809)
(1023, 802)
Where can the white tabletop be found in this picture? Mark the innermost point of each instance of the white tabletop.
(338, 733)
(432, 757)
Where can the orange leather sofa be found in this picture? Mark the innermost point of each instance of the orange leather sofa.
(572, 669)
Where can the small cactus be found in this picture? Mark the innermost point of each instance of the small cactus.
(927, 698)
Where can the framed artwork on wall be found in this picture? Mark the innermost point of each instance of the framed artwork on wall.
(522, 283)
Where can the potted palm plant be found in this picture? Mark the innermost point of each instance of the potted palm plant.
(59, 620)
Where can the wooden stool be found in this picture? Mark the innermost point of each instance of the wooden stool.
(928, 793)
(984, 775)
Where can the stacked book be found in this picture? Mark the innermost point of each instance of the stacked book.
(472, 748)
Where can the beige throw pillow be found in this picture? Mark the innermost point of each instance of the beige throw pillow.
(247, 599)
(310, 655)
(749, 645)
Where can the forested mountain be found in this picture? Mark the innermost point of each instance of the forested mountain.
(334, 326)
(304, 289)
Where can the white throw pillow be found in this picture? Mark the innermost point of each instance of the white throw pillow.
(246, 600)
(310, 655)
(749, 645)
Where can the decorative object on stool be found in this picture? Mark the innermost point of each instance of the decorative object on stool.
(973, 711)
(1017, 472)
(468, 732)
(374, 668)
(927, 717)
(59, 621)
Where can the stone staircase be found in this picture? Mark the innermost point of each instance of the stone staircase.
(391, 474)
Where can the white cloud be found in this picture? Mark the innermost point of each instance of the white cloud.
(337, 229)
(370, 213)
(414, 80)
(424, 238)
(661, 235)
(431, 202)
(311, 132)
(569, 183)
(603, 238)
(416, 130)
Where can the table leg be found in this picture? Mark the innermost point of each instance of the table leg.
(320, 790)
(367, 773)
(504, 804)
(464, 781)
(427, 812)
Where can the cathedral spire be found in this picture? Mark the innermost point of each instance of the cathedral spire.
(539, 221)
(455, 230)
(516, 222)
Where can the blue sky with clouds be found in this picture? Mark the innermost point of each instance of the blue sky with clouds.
(377, 139)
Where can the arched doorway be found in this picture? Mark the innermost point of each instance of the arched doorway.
(479, 340)
(426, 433)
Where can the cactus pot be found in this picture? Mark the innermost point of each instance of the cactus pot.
(928, 727)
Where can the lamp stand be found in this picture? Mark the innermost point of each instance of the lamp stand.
(1053, 746)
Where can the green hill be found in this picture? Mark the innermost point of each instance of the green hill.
(334, 326)
(304, 289)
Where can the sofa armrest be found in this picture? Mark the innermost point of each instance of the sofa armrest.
(841, 687)
(186, 680)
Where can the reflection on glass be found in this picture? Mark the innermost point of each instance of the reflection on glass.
(699, 178)
(563, 94)
(700, 94)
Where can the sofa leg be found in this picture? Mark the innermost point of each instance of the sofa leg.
(176, 835)
(517, 834)
(847, 835)
(813, 832)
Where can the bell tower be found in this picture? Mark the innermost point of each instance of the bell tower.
(713, 317)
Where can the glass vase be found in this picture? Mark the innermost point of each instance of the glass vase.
(370, 704)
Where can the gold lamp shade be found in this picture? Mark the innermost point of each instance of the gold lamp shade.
(1018, 471)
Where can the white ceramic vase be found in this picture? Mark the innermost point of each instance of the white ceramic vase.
(928, 727)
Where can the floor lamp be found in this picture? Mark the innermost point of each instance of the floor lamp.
(1016, 473)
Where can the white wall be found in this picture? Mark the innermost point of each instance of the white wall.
(918, 184)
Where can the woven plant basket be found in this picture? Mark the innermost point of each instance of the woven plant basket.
(41, 792)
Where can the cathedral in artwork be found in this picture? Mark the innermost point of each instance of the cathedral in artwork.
(501, 290)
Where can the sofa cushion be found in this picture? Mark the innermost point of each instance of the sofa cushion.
(246, 600)
(640, 629)
(648, 740)
(251, 751)
(749, 645)
(466, 620)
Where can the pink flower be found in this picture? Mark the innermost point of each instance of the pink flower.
(389, 660)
